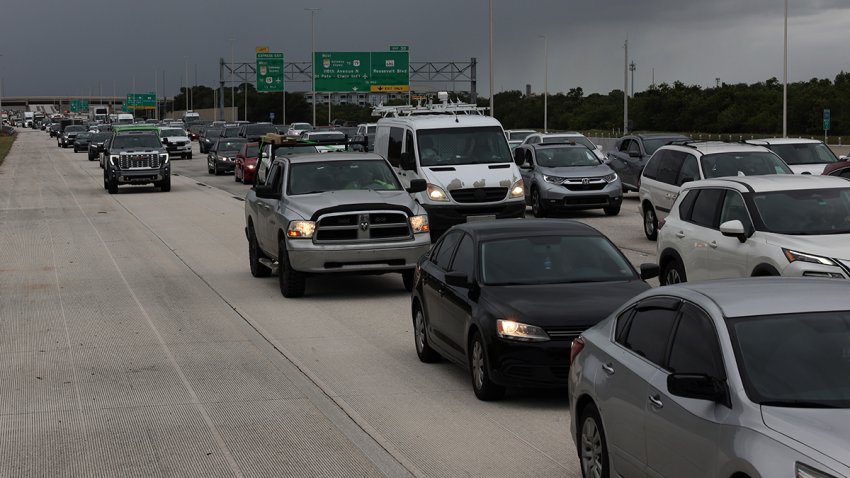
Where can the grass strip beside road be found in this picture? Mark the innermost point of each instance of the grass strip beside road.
(5, 146)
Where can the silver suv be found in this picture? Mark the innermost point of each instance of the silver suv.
(675, 164)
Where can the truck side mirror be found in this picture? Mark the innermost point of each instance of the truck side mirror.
(266, 192)
(417, 186)
(408, 163)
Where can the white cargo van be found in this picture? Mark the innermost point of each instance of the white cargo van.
(462, 155)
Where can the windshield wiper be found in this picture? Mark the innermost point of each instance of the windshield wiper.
(797, 404)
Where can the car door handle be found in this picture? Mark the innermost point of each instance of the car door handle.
(655, 401)
(713, 244)
(680, 234)
(608, 368)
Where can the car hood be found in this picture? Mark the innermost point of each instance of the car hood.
(552, 305)
(307, 205)
(815, 169)
(464, 176)
(578, 171)
(822, 430)
(831, 245)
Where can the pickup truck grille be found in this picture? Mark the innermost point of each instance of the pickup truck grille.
(363, 226)
(129, 161)
(479, 194)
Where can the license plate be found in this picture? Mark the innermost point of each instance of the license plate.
(489, 217)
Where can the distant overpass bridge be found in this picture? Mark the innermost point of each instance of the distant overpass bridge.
(56, 104)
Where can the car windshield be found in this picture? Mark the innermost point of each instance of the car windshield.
(795, 360)
(259, 129)
(230, 131)
(252, 151)
(100, 136)
(212, 132)
(171, 132)
(566, 157)
(518, 135)
(552, 260)
(301, 126)
(650, 145)
(229, 145)
(805, 212)
(286, 151)
(806, 153)
(321, 176)
(136, 141)
(74, 129)
(751, 163)
(456, 146)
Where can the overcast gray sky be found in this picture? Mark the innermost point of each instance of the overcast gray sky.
(74, 47)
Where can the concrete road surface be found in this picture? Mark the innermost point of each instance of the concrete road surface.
(137, 343)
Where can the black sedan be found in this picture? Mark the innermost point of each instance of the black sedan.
(506, 298)
(96, 144)
(81, 142)
(222, 156)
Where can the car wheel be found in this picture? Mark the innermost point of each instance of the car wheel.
(215, 169)
(650, 222)
(423, 349)
(111, 184)
(189, 156)
(537, 208)
(209, 167)
(612, 210)
(593, 449)
(407, 279)
(292, 282)
(482, 385)
(165, 184)
(255, 254)
(673, 273)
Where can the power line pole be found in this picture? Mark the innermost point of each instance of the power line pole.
(313, 55)
(626, 90)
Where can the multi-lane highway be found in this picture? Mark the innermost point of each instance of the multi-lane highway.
(137, 343)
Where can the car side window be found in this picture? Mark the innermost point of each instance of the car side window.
(651, 169)
(448, 245)
(649, 333)
(624, 145)
(464, 257)
(706, 207)
(689, 171)
(394, 146)
(634, 147)
(686, 206)
(695, 346)
(274, 176)
(668, 169)
(734, 208)
(622, 322)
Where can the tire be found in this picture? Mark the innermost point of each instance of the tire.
(292, 282)
(215, 169)
(537, 208)
(189, 156)
(111, 184)
(423, 350)
(407, 279)
(76, 150)
(650, 222)
(612, 210)
(209, 168)
(673, 272)
(255, 254)
(592, 447)
(165, 184)
(482, 385)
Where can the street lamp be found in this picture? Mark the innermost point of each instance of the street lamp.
(1, 92)
(492, 96)
(545, 84)
(313, 55)
(232, 90)
(632, 68)
(785, 79)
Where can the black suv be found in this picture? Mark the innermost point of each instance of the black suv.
(253, 132)
(136, 157)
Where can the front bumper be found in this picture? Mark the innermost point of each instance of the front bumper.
(441, 218)
(141, 176)
(305, 256)
(554, 196)
(225, 165)
(529, 364)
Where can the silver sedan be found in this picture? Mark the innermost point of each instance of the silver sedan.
(736, 378)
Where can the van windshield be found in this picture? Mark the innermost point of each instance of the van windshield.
(455, 146)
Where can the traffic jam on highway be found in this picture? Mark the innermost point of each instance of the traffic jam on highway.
(738, 365)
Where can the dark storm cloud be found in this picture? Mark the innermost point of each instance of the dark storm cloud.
(83, 46)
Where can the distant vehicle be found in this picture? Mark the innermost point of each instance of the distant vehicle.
(633, 151)
(230, 131)
(578, 138)
(69, 133)
(321, 138)
(176, 142)
(567, 176)
(96, 144)
(674, 165)
(100, 113)
(295, 129)
(253, 132)
(207, 138)
(518, 134)
(246, 163)
(750, 226)
(490, 296)
(190, 116)
(733, 378)
(124, 118)
(365, 133)
(81, 141)
(222, 156)
(803, 156)
(29, 119)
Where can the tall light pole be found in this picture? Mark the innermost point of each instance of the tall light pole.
(632, 68)
(232, 90)
(1, 90)
(313, 55)
(626, 90)
(545, 83)
(785, 79)
(492, 96)
(186, 83)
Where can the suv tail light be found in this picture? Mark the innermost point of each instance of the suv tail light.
(576, 347)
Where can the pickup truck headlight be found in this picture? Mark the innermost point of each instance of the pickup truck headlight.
(553, 179)
(436, 193)
(419, 224)
(611, 178)
(517, 189)
(163, 157)
(803, 471)
(112, 159)
(509, 329)
(301, 229)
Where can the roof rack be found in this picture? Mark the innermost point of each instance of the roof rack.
(445, 107)
(693, 143)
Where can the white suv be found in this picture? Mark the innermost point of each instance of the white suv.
(804, 156)
(578, 138)
(756, 226)
(673, 165)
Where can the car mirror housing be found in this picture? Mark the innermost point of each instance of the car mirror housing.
(417, 186)
(649, 270)
(699, 387)
(457, 279)
(734, 228)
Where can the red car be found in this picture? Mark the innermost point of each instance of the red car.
(246, 163)
(840, 168)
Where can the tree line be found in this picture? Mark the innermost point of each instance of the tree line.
(728, 108)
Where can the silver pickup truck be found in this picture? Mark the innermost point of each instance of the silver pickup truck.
(333, 212)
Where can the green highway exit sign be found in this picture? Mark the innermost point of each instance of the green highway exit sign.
(379, 71)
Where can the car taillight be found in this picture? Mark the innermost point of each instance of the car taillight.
(661, 223)
(576, 347)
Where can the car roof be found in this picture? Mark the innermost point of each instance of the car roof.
(333, 156)
(520, 227)
(784, 141)
(441, 121)
(658, 135)
(772, 182)
(745, 297)
(713, 147)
